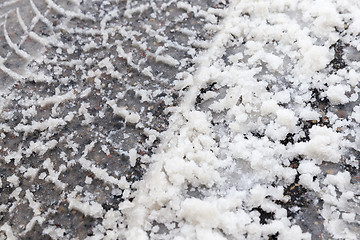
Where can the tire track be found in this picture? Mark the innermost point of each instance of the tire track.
(71, 149)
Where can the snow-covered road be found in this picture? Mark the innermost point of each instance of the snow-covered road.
(179, 119)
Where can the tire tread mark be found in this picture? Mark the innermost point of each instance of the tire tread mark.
(14, 46)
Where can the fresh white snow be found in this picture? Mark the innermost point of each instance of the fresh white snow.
(262, 112)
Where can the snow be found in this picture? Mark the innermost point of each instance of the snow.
(323, 145)
(269, 106)
(315, 58)
(167, 60)
(132, 156)
(336, 94)
(51, 124)
(92, 209)
(14, 180)
(56, 99)
(221, 128)
(286, 118)
(129, 116)
(341, 180)
(31, 173)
